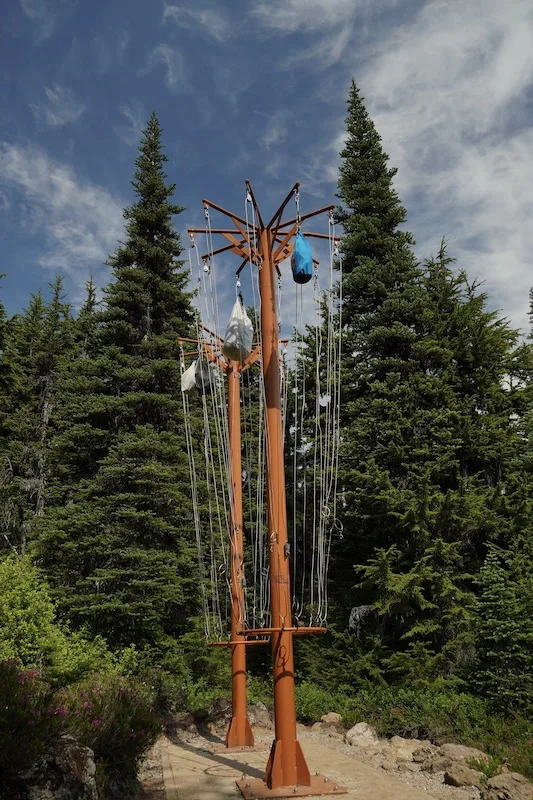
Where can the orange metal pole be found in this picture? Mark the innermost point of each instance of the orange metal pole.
(239, 732)
(286, 764)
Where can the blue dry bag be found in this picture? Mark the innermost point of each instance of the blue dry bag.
(301, 260)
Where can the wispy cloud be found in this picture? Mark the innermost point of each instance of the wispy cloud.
(59, 108)
(292, 16)
(213, 22)
(79, 222)
(330, 25)
(275, 128)
(447, 94)
(44, 15)
(110, 49)
(135, 120)
(173, 62)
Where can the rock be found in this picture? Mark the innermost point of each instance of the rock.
(407, 766)
(258, 714)
(461, 775)
(388, 766)
(333, 719)
(66, 773)
(333, 734)
(221, 711)
(184, 722)
(317, 726)
(424, 753)
(437, 764)
(508, 786)
(403, 749)
(459, 752)
(362, 735)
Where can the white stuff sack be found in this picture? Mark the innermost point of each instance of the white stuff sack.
(188, 379)
(239, 334)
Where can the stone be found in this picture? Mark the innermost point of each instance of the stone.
(424, 753)
(362, 735)
(460, 775)
(437, 764)
(259, 715)
(508, 786)
(333, 719)
(67, 772)
(407, 766)
(388, 766)
(459, 752)
(221, 710)
(334, 734)
(403, 749)
(317, 726)
(184, 722)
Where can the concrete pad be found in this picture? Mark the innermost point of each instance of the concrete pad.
(191, 772)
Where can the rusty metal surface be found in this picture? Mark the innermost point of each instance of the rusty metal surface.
(257, 789)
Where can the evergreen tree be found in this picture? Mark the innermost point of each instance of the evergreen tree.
(429, 434)
(504, 631)
(38, 344)
(382, 373)
(118, 547)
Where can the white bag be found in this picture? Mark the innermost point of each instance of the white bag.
(188, 382)
(239, 334)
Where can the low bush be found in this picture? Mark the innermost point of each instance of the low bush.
(114, 716)
(30, 721)
(428, 712)
(31, 634)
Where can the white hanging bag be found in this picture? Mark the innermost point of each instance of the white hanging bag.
(188, 382)
(239, 334)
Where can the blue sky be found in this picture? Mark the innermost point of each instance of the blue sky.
(257, 90)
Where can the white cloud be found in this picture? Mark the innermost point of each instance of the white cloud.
(330, 23)
(60, 107)
(208, 20)
(447, 95)
(79, 222)
(292, 16)
(135, 116)
(275, 128)
(110, 50)
(177, 75)
(43, 14)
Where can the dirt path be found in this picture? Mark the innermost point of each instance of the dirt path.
(192, 772)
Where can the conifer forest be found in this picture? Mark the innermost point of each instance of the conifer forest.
(113, 490)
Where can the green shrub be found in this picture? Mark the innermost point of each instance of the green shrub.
(489, 765)
(29, 721)
(30, 633)
(114, 716)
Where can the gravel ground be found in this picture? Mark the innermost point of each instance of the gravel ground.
(151, 775)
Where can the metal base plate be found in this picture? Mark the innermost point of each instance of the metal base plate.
(256, 789)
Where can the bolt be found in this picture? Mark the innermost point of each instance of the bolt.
(325, 780)
(247, 786)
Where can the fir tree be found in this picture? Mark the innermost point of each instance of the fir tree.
(429, 436)
(383, 308)
(119, 553)
(38, 344)
(504, 632)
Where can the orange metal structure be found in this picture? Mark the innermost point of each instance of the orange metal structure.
(239, 734)
(287, 773)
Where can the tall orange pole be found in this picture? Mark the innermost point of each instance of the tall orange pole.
(239, 732)
(286, 764)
